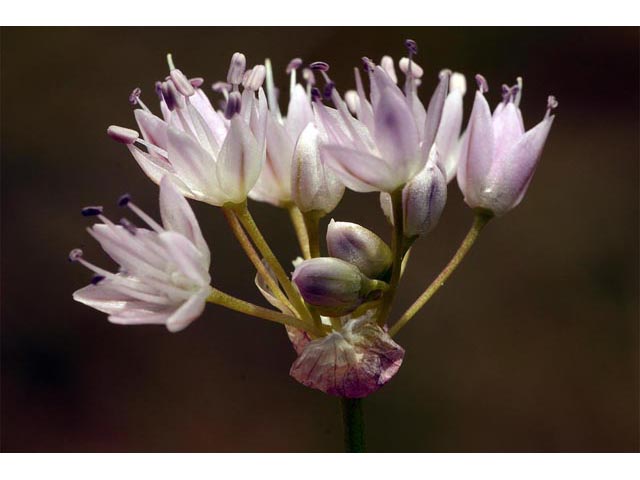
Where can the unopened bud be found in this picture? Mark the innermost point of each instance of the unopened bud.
(360, 247)
(334, 286)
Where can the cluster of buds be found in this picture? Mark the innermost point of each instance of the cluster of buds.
(335, 307)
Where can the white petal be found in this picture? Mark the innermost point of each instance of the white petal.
(188, 311)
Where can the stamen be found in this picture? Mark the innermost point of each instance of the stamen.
(411, 46)
(514, 93)
(254, 78)
(352, 100)
(328, 89)
(182, 83)
(196, 82)
(294, 64)
(320, 66)
(552, 104)
(158, 88)
(483, 86)
(516, 101)
(368, 64)
(170, 62)
(233, 106)
(134, 96)
(316, 96)
(124, 200)
(387, 65)
(236, 68)
(91, 211)
(410, 68)
(221, 87)
(75, 255)
(97, 279)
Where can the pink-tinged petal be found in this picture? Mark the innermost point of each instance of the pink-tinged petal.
(189, 260)
(365, 112)
(396, 135)
(154, 129)
(216, 124)
(506, 188)
(507, 130)
(463, 150)
(299, 112)
(313, 187)
(104, 298)
(267, 293)
(298, 338)
(188, 311)
(140, 317)
(153, 167)
(480, 150)
(352, 363)
(361, 171)
(447, 139)
(192, 164)
(424, 199)
(239, 163)
(178, 216)
(435, 109)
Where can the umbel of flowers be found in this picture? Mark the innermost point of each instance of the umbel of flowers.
(335, 304)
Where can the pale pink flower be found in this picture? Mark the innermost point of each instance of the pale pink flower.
(216, 156)
(164, 270)
(390, 141)
(499, 158)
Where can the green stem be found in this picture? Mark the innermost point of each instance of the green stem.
(301, 231)
(396, 250)
(353, 422)
(479, 222)
(261, 244)
(251, 253)
(233, 303)
(312, 223)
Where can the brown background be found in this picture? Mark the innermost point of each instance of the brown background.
(532, 346)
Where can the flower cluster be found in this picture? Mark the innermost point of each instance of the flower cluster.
(335, 307)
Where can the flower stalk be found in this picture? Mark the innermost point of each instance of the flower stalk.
(479, 221)
(301, 230)
(353, 422)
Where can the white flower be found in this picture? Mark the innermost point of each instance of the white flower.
(164, 271)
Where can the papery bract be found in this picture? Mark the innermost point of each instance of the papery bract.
(353, 362)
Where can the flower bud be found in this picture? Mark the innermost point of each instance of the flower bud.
(423, 199)
(360, 247)
(313, 187)
(334, 286)
(499, 158)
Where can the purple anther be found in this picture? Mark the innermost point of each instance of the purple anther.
(221, 87)
(233, 106)
(483, 86)
(134, 95)
(294, 64)
(97, 279)
(158, 88)
(506, 93)
(316, 96)
(124, 200)
(368, 64)
(122, 135)
(91, 211)
(182, 83)
(320, 66)
(196, 82)
(412, 46)
(75, 254)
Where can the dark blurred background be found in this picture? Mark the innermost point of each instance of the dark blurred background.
(531, 346)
